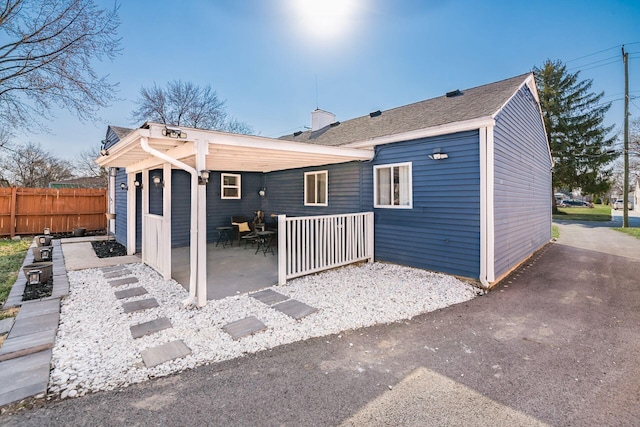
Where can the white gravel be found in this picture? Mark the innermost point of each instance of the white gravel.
(94, 349)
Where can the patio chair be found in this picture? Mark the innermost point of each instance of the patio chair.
(240, 226)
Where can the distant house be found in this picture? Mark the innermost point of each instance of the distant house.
(459, 184)
(81, 182)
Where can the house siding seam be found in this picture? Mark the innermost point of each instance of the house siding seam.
(442, 230)
(522, 183)
(343, 185)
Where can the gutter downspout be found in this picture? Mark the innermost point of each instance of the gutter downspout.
(144, 143)
(484, 211)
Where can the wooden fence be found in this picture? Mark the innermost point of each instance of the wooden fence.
(30, 210)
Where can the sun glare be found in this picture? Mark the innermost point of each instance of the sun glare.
(325, 19)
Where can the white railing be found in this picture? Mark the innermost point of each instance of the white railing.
(152, 241)
(311, 244)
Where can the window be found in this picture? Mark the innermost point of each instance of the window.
(230, 186)
(392, 186)
(315, 188)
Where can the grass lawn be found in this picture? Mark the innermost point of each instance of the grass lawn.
(555, 231)
(597, 213)
(635, 232)
(12, 255)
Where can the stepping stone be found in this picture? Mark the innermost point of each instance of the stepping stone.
(244, 327)
(123, 281)
(131, 292)
(117, 273)
(112, 268)
(143, 304)
(156, 355)
(148, 328)
(5, 326)
(295, 309)
(269, 296)
(26, 344)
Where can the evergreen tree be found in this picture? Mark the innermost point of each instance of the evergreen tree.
(581, 146)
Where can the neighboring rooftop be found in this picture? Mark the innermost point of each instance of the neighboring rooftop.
(82, 182)
(121, 132)
(455, 106)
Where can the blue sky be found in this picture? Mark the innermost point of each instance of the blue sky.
(274, 63)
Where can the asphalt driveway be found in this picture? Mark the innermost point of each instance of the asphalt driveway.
(557, 343)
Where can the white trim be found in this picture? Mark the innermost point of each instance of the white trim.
(326, 188)
(238, 178)
(491, 277)
(424, 133)
(375, 186)
(483, 207)
(166, 217)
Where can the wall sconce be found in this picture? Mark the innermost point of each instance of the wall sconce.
(113, 172)
(173, 132)
(137, 184)
(262, 192)
(157, 180)
(204, 177)
(104, 152)
(437, 155)
(124, 186)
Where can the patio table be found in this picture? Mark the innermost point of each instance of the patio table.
(224, 236)
(264, 241)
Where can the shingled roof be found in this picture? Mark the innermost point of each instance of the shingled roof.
(467, 104)
(121, 132)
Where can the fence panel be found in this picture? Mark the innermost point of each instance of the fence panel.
(31, 210)
(318, 243)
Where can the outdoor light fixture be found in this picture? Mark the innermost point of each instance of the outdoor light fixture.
(137, 184)
(124, 186)
(104, 152)
(204, 177)
(34, 277)
(173, 132)
(157, 180)
(437, 155)
(262, 192)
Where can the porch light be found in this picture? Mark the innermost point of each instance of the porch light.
(104, 152)
(204, 177)
(262, 192)
(437, 155)
(137, 184)
(124, 186)
(157, 180)
(173, 132)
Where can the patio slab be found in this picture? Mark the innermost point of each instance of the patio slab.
(123, 281)
(163, 353)
(24, 376)
(244, 327)
(269, 296)
(131, 292)
(294, 308)
(143, 304)
(79, 255)
(151, 327)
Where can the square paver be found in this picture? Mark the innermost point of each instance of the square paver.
(27, 344)
(5, 325)
(123, 281)
(38, 308)
(244, 327)
(156, 355)
(143, 304)
(117, 273)
(269, 296)
(131, 292)
(295, 309)
(148, 328)
(34, 324)
(24, 376)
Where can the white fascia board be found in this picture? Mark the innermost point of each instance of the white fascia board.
(126, 144)
(445, 129)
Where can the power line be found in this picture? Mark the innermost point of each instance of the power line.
(594, 62)
(594, 53)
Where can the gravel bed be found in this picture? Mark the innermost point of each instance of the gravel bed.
(94, 349)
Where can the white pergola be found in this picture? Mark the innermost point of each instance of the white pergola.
(196, 151)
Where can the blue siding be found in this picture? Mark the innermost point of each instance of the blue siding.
(111, 139)
(442, 230)
(121, 207)
(180, 207)
(285, 191)
(522, 187)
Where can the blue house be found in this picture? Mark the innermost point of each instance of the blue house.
(459, 184)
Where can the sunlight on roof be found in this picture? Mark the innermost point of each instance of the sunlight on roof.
(325, 19)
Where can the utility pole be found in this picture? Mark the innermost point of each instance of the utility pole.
(625, 194)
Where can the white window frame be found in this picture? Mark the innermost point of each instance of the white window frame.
(223, 186)
(326, 188)
(409, 183)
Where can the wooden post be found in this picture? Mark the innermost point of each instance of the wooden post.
(282, 250)
(12, 222)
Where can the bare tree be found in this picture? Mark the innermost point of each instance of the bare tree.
(32, 166)
(186, 104)
(46, 53)
(85, 165)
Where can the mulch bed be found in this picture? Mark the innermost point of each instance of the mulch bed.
(108, 248)
(37, 291)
